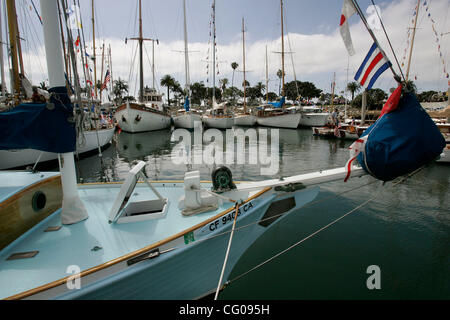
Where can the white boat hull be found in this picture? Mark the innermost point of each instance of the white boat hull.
(289, 121)
(219, 122)
(187, 121)
(247, 120)
(314, 119)
(134, 119)
(20, 158)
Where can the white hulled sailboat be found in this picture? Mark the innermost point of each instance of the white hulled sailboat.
(149, 113)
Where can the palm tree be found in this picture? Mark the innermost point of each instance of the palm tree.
(280, 76)
(260, 88)
(223, 84)
(120, 87)
(169, 82)
(234, 66)
(353, 87)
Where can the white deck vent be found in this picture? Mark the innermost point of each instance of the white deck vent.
(196, 200)
(125, 211)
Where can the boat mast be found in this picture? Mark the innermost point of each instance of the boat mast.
(186, 55)
(267, 78)
(73, 209)
(243, 59)
(214, 54)
(11, 8)
(412, 40)
(101, 73)
(282, 48)
(141, 59)
(93, 54)
(1, 59)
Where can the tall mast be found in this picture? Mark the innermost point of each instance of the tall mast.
(333, 85)
(412, 40)
(214, 53)
(101, 72)
(2, 70)
(186, 54)
(267, 78)
(282, 46)
(13, 47)
(73, 209)
(93, 55)
(141, 59)
(243, 59)
(111, 83)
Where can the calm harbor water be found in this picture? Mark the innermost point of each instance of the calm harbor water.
(405, 230)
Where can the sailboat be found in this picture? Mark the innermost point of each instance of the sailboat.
(149, 113)
(244, 118)
(274, 114)
(93, 137)
(187, 117)
(135, 240)
(219, 116)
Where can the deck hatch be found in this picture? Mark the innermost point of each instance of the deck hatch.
(23, 255)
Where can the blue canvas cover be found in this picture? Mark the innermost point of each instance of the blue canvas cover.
(401, 141)
(40, 126)
(278, 104)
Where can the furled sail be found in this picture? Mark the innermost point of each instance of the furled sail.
(401, 141)
(278, 104)
(47, 127)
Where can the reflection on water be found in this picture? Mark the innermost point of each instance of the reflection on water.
(405, 230)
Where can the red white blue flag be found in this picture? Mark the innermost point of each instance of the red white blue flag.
(372, 67)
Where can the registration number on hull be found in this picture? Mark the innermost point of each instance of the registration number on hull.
(228, 218)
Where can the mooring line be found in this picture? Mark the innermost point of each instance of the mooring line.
(320, 230)
(228, 251)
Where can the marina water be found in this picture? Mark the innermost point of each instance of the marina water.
(404, 230)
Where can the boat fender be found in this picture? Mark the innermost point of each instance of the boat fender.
(222, 180)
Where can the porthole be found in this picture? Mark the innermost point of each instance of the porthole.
(39, 200)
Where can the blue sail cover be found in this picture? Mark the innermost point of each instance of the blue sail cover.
(40, 126)
(278, 104)
(401, 141)
(186, 104)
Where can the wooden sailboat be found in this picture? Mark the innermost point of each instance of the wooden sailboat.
(278, 116)
(94, 136)
(149, 114)
(244, 118)
(219, 116)
(70, 244)
(187, 117)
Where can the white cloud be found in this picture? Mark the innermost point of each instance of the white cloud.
(316, 57)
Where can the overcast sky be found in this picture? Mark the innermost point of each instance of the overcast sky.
(311, 34)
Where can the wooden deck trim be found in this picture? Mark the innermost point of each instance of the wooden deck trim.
(19, 194)
(105, 265)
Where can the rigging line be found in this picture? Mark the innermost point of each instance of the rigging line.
(37, 13)
(228, 251)
(389, 40)
(310, 204)
(403, 179)
(32, 45)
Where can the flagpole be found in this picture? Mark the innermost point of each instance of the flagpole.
(361, 14)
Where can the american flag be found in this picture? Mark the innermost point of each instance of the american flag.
(107, 78)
